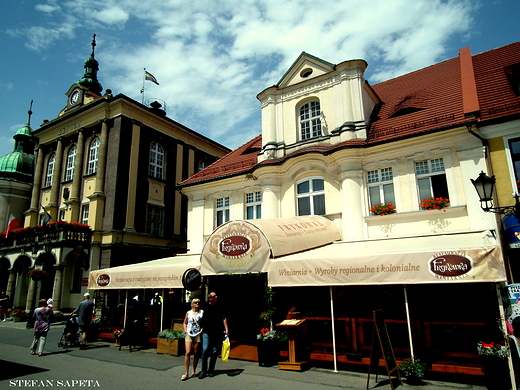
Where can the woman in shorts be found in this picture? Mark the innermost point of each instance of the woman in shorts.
(193, 337)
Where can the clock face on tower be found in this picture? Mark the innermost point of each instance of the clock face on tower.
(74, 97)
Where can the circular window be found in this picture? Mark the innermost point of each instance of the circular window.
(305, 73)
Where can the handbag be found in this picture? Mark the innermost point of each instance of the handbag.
(226, 346)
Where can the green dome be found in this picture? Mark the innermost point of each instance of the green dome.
(18, 165)
(89, 79)
(25, 130)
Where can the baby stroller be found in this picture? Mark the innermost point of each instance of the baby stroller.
(70, 336)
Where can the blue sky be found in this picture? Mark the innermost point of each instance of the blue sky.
(212, 57)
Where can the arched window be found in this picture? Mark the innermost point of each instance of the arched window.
(93, 155)
(310, 120)
(71, 160)
(310, 196)
(50, 170)
(156, 160)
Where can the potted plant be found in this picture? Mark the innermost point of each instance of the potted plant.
(413, 370)
(383, 209)
(36, 274)
(19, 315)
(495, 367)
(170, 342)
(268, 346)
(434, 203)
(118, 333)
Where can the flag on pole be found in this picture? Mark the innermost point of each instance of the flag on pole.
(150, 77)
(11, 225)
(46, 218)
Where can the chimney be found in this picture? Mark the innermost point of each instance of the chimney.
(470, 103)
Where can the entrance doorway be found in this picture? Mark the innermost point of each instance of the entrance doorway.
(243, 299)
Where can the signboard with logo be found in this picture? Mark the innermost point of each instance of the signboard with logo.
(192, 279)
(246, 246)
(238, 247)
(161, 273)
(325, 269)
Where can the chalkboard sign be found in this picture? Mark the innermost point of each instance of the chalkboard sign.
(381, 346)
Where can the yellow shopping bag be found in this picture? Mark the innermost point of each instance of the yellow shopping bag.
(226, 346)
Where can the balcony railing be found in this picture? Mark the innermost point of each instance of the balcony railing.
(57, 232)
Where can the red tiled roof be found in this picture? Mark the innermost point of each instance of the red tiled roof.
(496, 96)
(429, 99)
(238, 161)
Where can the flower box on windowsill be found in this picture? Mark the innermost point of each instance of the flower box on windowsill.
(415, 215)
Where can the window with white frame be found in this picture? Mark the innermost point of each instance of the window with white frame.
(61, 216)
(154, 220)
(310, 196)
(431, 179)
(50, 170)
(156, 160)
(222, 210)
(514, 149)
(71, 160)
(310, 120)
(253, 205)
(84, 213)
(380, 186)
(93, 155)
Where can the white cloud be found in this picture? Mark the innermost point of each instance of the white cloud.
(212, 57)
(47, 8)
(112, 15)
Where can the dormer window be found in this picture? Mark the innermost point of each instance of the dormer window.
(513, 76)
(409, 104)
(310, 120)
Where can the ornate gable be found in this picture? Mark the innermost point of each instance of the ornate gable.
(304, 68)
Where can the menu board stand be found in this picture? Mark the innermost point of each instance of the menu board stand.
(291, 327)
(384, 349)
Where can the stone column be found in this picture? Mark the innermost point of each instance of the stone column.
(97, 199)
(31, 218)
(351, 177)
(57, 291)
(30, 304)
(75, 201)
(102, 159)
(271, 201)
(10, 284)
(132, 177)
(56, 180)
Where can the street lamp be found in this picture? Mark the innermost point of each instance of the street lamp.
(485, 186)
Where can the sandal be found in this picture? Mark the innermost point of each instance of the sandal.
(184, 377)
(193, 375)
(33, 353)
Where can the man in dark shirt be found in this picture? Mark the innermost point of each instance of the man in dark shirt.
(214, 323)
(84, 310)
